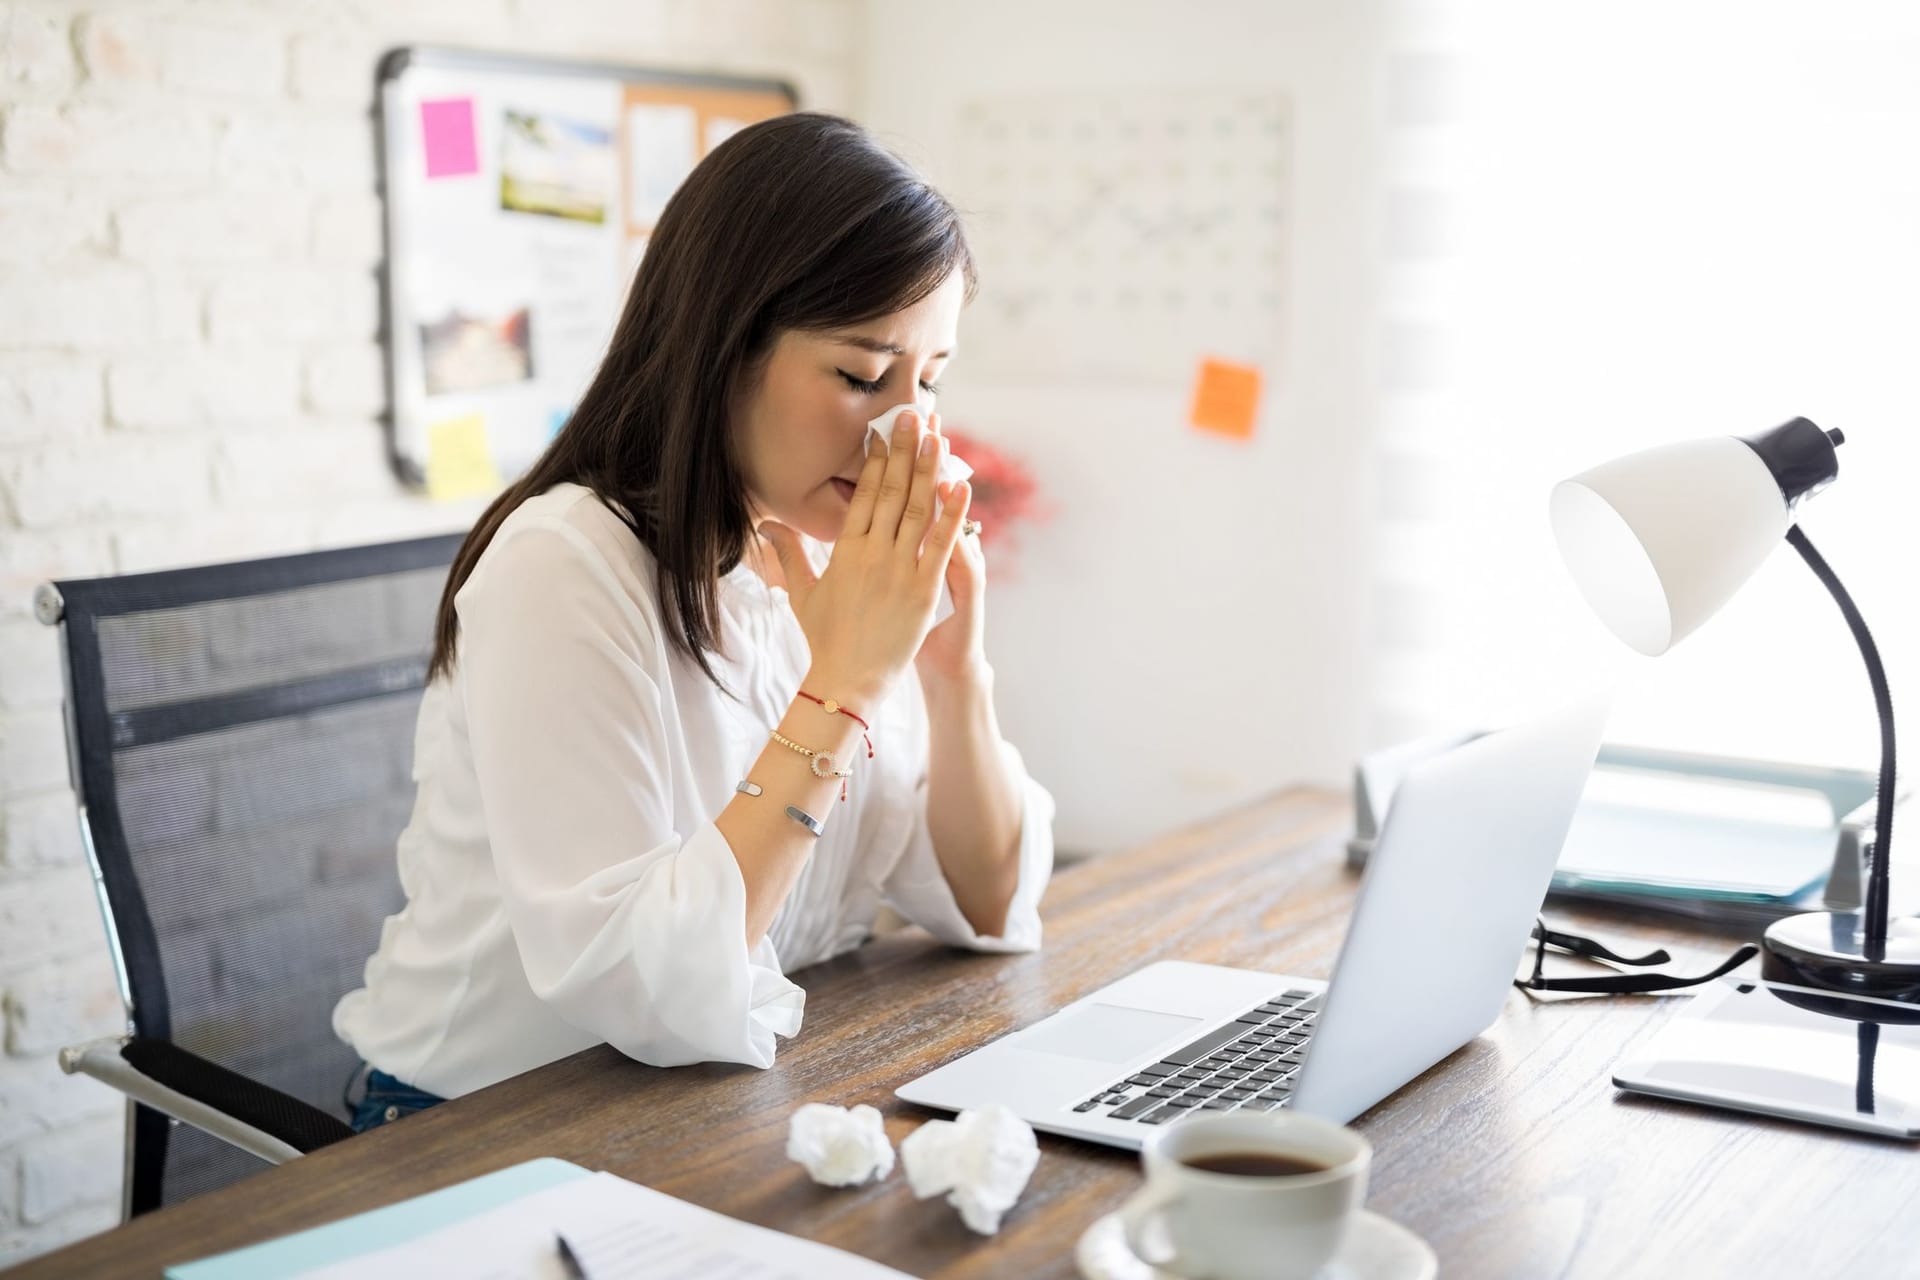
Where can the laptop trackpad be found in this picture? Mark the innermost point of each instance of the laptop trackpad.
(1104, 1032)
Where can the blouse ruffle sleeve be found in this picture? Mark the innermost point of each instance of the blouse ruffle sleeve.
(628, 930)
(917, 887)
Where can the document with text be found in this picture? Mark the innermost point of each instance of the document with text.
(616, 1230)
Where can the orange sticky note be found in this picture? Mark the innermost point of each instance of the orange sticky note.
(1226, 398)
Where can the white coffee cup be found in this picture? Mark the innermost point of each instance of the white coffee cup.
(1236, 1226)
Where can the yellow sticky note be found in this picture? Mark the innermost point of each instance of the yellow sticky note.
(459, 464)
(1226, 398)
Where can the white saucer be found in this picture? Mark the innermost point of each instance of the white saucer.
(1375, 1249)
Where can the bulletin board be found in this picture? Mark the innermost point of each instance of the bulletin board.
(520, 193)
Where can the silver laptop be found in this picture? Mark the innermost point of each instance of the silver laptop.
(1442, 918)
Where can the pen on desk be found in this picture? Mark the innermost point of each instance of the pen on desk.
(569, 1259)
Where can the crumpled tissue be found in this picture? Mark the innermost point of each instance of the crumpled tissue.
(950, 471)
(982, 1158)
(840, 1148)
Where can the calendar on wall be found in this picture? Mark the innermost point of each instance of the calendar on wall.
(1119, 236)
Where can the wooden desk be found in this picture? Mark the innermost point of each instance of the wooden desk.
(1515, 1157)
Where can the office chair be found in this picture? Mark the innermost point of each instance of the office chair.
(240, 739)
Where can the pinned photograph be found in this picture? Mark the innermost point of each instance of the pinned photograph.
(557, 167)
(465, 352)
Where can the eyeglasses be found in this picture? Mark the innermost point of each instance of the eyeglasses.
(1617, 984)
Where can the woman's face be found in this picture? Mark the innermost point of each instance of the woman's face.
(803, 424)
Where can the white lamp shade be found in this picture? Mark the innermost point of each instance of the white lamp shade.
(1657, 541)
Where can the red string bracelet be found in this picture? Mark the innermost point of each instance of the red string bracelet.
(834, 708)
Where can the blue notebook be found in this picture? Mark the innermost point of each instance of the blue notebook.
(380, 1228)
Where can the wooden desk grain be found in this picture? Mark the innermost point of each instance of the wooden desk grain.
(1513, 1158)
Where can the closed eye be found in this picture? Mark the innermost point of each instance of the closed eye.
(866, 388)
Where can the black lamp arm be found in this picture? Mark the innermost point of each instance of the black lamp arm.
(1877, 879)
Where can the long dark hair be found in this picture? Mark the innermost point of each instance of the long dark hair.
(800, 222)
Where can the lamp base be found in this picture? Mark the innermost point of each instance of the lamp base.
(1828, 950)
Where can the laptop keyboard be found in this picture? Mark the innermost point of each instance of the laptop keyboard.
(1248, 1065)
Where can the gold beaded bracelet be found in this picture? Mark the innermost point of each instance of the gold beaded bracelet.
(821, 762)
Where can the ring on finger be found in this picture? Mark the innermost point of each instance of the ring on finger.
(969, 528)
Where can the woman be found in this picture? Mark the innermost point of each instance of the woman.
(668, 746)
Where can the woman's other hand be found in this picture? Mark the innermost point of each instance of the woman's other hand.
(955, 650)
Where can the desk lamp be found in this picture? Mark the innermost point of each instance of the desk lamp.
(1657, 541)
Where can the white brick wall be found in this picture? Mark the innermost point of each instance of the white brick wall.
(189, 241)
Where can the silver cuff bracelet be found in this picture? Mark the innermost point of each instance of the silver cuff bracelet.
(806, 820)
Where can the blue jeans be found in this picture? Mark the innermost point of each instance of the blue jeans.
(387, 1100)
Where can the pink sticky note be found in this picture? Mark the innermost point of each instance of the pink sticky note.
(447, 126)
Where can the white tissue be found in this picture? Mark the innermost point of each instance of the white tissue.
(950, 471)
(840, 1148)
(982, 1158)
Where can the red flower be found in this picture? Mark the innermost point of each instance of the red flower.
(1004, 492)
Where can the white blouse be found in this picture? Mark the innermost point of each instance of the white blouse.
(566, 884)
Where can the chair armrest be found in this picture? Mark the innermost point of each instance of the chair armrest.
(255, 1117)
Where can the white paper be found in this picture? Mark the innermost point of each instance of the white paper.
(662, 148)
(720, 128)
(620, 1231)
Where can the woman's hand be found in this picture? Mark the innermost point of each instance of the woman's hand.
(955, 650)
(867, 613)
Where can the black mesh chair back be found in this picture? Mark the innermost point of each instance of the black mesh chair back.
(243, 742)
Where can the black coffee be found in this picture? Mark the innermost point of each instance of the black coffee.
(1255, 1164)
